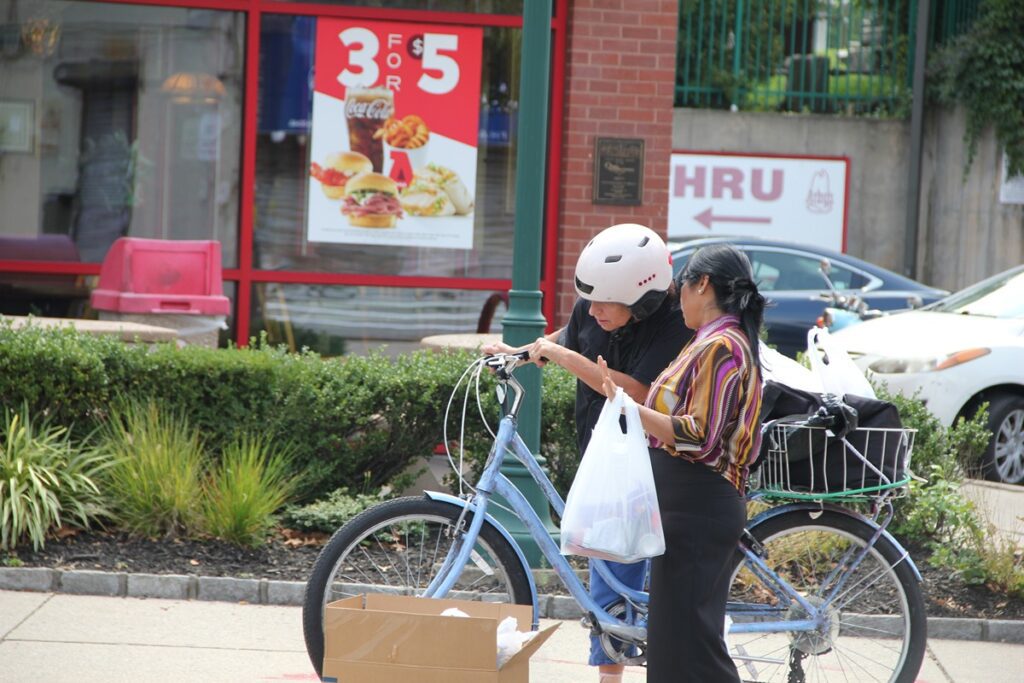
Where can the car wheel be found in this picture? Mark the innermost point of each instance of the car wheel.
(1004, 458)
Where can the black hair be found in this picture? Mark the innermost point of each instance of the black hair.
(729, 272)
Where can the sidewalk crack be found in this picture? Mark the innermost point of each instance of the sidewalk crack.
(931, 654)
(3, 636)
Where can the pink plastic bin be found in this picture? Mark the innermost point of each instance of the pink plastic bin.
(161, 276)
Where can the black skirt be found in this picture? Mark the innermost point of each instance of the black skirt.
(703, 517)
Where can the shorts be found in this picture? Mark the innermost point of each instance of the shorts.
(632, 575)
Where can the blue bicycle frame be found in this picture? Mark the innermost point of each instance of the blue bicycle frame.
(492, 482)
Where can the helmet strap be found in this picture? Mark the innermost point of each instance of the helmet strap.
(647, 304)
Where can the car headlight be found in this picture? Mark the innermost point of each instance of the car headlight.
(896, 366)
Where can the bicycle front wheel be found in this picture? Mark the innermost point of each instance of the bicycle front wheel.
(872, 625)
(397, 547)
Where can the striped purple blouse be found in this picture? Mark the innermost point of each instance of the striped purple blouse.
(713, 394)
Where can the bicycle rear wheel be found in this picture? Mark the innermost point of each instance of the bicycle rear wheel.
(875, 627)
(397, 547)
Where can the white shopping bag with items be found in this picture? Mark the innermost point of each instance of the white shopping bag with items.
(832, 364)
(611, 512)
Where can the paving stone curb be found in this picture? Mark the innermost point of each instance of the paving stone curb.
(290, 593)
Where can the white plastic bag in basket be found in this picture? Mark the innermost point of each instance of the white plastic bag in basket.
(830, 361)
(611, 512)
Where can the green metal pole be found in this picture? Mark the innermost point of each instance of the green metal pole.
(524, 321)
(738, 41)
(920, 41)
(736, 54)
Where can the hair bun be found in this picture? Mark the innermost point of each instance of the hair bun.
(743, 284)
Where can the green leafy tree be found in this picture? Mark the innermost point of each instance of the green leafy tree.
(983, 70)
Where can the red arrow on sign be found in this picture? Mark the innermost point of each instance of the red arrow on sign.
(705, 218)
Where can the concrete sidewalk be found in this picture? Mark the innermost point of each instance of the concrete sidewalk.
(85, 639)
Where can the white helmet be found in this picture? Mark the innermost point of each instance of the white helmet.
(627, 264)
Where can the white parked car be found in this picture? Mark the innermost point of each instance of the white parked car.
(956, 353)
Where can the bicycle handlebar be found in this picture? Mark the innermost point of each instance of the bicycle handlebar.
(504, 363)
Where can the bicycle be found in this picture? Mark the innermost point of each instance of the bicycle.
(818, 587)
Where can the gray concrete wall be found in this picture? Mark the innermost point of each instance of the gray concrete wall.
(965, 234)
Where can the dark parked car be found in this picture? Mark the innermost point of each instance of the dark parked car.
(788, 275)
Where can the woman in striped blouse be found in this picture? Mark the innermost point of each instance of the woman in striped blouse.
(701, 417)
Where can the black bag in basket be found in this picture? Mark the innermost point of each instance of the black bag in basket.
(817, 467)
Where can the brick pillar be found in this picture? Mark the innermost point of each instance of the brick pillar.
(620, 80)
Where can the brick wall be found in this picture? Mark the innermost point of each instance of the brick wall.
(620, 77)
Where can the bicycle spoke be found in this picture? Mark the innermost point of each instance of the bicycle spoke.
(373, 564)
(863, 583)
(858, 662)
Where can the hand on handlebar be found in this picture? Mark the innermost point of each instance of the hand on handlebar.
(542, 350)
(538, 352)
(497, 348)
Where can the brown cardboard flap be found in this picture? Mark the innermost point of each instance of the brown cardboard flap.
(408, 631)
(409, 639)
(399, 639)
(530, 647)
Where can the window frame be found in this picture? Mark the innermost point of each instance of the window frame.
(243, 276)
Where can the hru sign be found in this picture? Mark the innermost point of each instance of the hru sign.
(798, 199)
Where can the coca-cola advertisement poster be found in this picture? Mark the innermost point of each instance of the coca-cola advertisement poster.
(396, 111)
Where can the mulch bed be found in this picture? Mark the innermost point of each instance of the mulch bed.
(289, 556)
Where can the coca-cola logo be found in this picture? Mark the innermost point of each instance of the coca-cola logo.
(367, 109)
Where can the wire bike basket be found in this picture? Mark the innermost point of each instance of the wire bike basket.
(805, 462)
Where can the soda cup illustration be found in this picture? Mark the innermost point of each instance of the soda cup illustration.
(366, 111)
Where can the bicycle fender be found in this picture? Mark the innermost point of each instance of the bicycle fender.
(455, 500)
(831, 507)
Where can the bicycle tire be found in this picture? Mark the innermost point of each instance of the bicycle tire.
(403, 542)
(875, 632)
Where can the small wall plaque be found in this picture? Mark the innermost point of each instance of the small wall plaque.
(618, 171)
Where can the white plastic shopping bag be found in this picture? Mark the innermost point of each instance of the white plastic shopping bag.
(832, 364)
(782, 369)
(611, 512)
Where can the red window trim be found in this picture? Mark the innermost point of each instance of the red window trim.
(245, 275)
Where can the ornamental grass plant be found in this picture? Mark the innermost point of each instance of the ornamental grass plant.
(45, 479)
(156, 480)
(243, 491)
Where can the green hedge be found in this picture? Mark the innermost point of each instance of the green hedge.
(354, 421)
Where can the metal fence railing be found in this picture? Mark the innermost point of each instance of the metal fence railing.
(953, 18)
(823, 56)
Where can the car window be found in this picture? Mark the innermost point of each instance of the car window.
(787, 270)
(1000, 297)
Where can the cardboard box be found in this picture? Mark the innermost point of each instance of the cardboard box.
(399, 639)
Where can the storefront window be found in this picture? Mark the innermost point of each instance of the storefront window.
(121, 120)
(333, 320)
(132, 116)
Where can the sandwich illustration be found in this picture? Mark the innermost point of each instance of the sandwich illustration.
(337, 170)
(448, 181)
(426, 199)
(371, 201)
